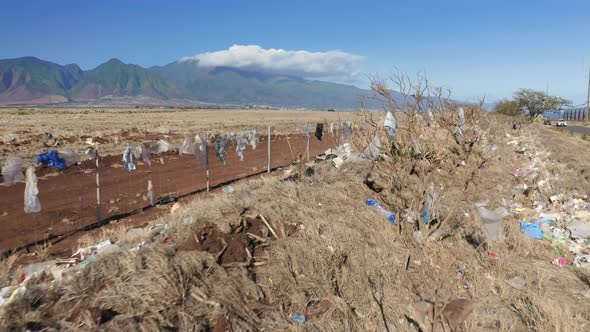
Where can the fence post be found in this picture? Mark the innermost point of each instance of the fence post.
(268, 156)
(308, 129)
(97, 183)
(207, 160)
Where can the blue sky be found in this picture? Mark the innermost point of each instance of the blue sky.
(473, 47)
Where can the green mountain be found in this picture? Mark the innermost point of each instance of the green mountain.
(31, 79)
(236, 86)
(117, 79)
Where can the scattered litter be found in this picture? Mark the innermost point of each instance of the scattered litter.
(32, 203)
(532, 229)
(346, 130)
(70, 157)
(228, 189)
(427, 212)
(492, 221)
(559, 262)
(373, 150)
(517, 282)
(241, 142)
(12, 171)
(580, 230)
(377, 207)
(187, 147)
(221, 148)
(299, 318)
(390, 124)
(150, 192)
(582, 261)
(128, 160)
(51, 159)
(319, 131)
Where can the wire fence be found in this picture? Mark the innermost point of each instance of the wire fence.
(96, 191)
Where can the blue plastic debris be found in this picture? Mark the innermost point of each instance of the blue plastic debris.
(299, 318)
(386, 214)
(532, 229)
(52, 159)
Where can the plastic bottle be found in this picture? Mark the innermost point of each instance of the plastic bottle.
(377, 207)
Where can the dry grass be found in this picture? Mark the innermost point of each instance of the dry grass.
(345, 267)
(20, 135)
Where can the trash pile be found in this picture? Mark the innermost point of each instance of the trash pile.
(46, 274)
(561, 218)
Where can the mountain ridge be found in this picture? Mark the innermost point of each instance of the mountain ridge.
(30, 80)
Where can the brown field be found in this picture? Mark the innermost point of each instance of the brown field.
(21, 130)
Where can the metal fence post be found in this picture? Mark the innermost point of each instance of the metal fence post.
(308, 129)
(207, 161)
(97, 183)
(268, 156)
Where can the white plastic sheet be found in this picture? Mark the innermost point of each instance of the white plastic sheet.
(32, 203)
(241, 142)
(12, 171)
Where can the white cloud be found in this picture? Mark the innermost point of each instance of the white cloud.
(336, 64)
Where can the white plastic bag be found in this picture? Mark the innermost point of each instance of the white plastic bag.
(12, 171)
(32, 203)
(390, 121)
(128, 160)
(71, 157)
(241, 142)
(461, 113)
(150, 193)
(187, 147)
(492, 222)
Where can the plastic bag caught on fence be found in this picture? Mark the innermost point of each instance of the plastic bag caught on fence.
(319, 131)
(142, 152)
(187, 147)
(70, 157)
(159, 147)
(221, 148)
(428, 210)
(52, 159)
(373, 150)
(390, 124)
(128, 160)
(150, 192)
(12, 171)
(346, 130)
(252, 139)
(332, 128)
(200, 142)
(32, 203)
(241, 142)
(492, 222)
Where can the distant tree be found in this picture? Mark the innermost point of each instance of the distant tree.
(331, 110)
(508, 107)
(533, 102)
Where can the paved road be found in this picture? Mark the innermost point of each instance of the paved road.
(577, 129)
